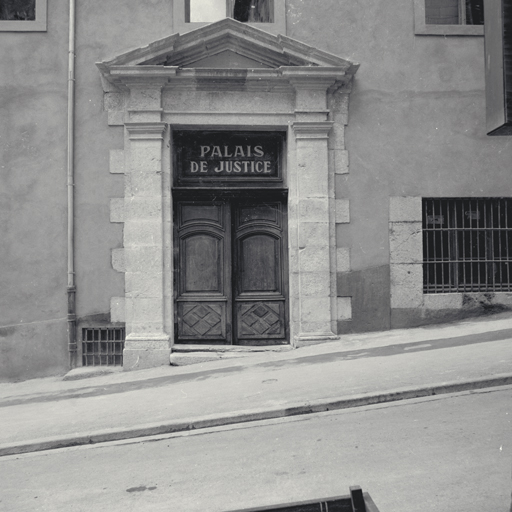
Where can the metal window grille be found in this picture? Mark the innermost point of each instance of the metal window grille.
(102, 346)
(467, 245)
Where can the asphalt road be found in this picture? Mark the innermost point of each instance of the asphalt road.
(446, 453)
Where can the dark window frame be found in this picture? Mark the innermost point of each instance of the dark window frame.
(454, 12)
(246, 11)
(422, 28)
(38, 24)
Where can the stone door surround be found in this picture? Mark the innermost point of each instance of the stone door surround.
(226, 75)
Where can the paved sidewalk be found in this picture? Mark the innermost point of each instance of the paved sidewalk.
(356, 370)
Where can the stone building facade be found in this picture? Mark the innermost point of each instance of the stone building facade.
(286, 181)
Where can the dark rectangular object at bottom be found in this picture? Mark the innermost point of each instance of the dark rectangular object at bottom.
(357, 501)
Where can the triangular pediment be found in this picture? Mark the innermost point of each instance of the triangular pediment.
(228, 42)
(228, 59)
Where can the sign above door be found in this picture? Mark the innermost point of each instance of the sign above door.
(227, 158)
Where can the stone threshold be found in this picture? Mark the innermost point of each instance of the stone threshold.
(184, 354)
(182, 347)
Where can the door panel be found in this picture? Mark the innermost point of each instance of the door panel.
(230, 272)
(202, 258)
(260, 263)
(200, 319)
(203, 279)
(260, 320)
(260, 302)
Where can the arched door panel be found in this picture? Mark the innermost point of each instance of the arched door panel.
(203, 278)
(230, 274)
(259, 291)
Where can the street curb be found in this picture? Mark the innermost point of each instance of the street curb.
(218, 420)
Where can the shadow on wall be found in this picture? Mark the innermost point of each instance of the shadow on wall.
(473, 306)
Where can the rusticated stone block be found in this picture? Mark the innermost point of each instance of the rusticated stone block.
(313, 234)
(142, 232)
(145, 97)
(118, 260)
(342, 211)
(442, 301)
(406, 286)
(314, 209)
(314, 329)
(315, 284)
(113, 101)
(144, 284)
(343, 259)
(316, 310)
(138, 359)
(143, 259)
(341, 162)
(145, 310)
(117, 161)
(312, 256)
(405, 242)
(115, 118)
(337, 137)
(144, 184)
(143, 208)
(344, 305)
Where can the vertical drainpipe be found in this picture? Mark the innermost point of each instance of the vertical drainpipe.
(71, 287)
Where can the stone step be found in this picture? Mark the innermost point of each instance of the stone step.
(183, 355)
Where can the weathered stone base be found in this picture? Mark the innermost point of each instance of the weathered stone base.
(306, 340)
(138, 359)
(149, 352)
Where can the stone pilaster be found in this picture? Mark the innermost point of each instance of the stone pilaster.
(311, 285)
(147, 343)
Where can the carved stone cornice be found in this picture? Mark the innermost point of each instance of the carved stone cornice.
(312, 130)
(146, 131)
(128, 76)
(318, 78)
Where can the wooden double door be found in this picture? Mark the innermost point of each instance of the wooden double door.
(231, 271)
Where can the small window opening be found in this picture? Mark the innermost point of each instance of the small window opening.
(467, 245)
(253, 11)
(454, 12)
(247, 11)
(102, 346)
(18, 10)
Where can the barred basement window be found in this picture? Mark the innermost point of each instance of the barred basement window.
(467, 245)
(454, 12)
(102, 346)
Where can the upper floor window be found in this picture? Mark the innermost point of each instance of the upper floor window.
(249, 11)
(454, 12)
(449, 17)
(22, 15)
(18, 10)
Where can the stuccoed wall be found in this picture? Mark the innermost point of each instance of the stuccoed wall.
(33, 85)
(33, 196)
(416, 128)
(103, 31)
